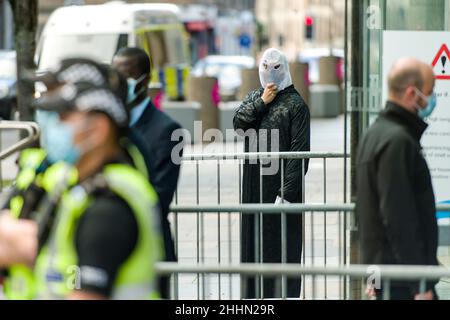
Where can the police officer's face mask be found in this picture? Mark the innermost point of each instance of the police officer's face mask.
(274, 68)
(58, 138)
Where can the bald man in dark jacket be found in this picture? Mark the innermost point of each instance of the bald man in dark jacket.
(395, 200)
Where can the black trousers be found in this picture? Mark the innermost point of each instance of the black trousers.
(170, 256)
(272, 253)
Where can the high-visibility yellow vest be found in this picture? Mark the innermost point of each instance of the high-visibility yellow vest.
(20, 285)
(57, 272)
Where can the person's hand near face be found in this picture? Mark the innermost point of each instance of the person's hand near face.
(270, 92)
(18, 240)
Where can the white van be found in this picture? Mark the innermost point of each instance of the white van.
(98, 31)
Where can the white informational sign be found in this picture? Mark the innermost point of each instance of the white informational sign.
(432, 48)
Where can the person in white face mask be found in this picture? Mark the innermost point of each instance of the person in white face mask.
(276, 119)
(274, 70)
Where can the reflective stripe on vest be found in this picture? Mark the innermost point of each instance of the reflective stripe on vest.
(21, 283)
(56, 266)
(138, 160)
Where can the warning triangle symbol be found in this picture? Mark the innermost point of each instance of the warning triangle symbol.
(441, 63)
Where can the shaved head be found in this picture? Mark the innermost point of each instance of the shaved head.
(410, 81)
(429, 79)
(406, 72)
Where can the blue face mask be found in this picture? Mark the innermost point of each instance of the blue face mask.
(58, 139)
(46, 118)
(132, 84)
(426, 112)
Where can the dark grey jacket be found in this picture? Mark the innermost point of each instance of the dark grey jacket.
(395, 200)
(290, 115)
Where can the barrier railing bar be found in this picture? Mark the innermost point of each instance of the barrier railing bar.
(272, 209)
(240, 223)
(392, 272)
(198, 227)
(387, 289)
(261, 229)
(325, 222)
(31, 128)
(176, 247)
(219, 253)
(264, 155)
(283, 236)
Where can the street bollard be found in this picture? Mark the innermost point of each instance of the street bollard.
(329, 74)
(328, 70)
(202, 90)
(300, 78)
(250, 82)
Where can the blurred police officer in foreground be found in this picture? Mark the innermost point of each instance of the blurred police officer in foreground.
(96, 231)
(28, 190)
(395, 199)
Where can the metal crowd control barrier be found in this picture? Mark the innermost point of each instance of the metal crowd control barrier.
(379, 276)
(310, 285)
(32, 131)
(315, 248)
(216, 179)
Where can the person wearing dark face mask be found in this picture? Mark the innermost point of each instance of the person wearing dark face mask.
(395, 203)
(156, 128)
(275, 106)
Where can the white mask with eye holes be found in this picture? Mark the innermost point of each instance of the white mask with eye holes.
(274, 68)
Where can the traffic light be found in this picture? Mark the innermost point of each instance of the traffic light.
(309, 25)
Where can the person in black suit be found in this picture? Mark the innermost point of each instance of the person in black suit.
(156, 128)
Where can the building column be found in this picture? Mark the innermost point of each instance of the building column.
(6, 25)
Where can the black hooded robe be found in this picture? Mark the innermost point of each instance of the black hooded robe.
(288, 113)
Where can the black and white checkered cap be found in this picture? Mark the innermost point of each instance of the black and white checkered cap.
(85, 98)
(76, 72)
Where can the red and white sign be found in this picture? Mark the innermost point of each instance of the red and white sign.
(441, 63)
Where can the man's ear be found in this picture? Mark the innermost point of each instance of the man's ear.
(410, 92)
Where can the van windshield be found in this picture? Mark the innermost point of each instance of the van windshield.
(99, 47)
